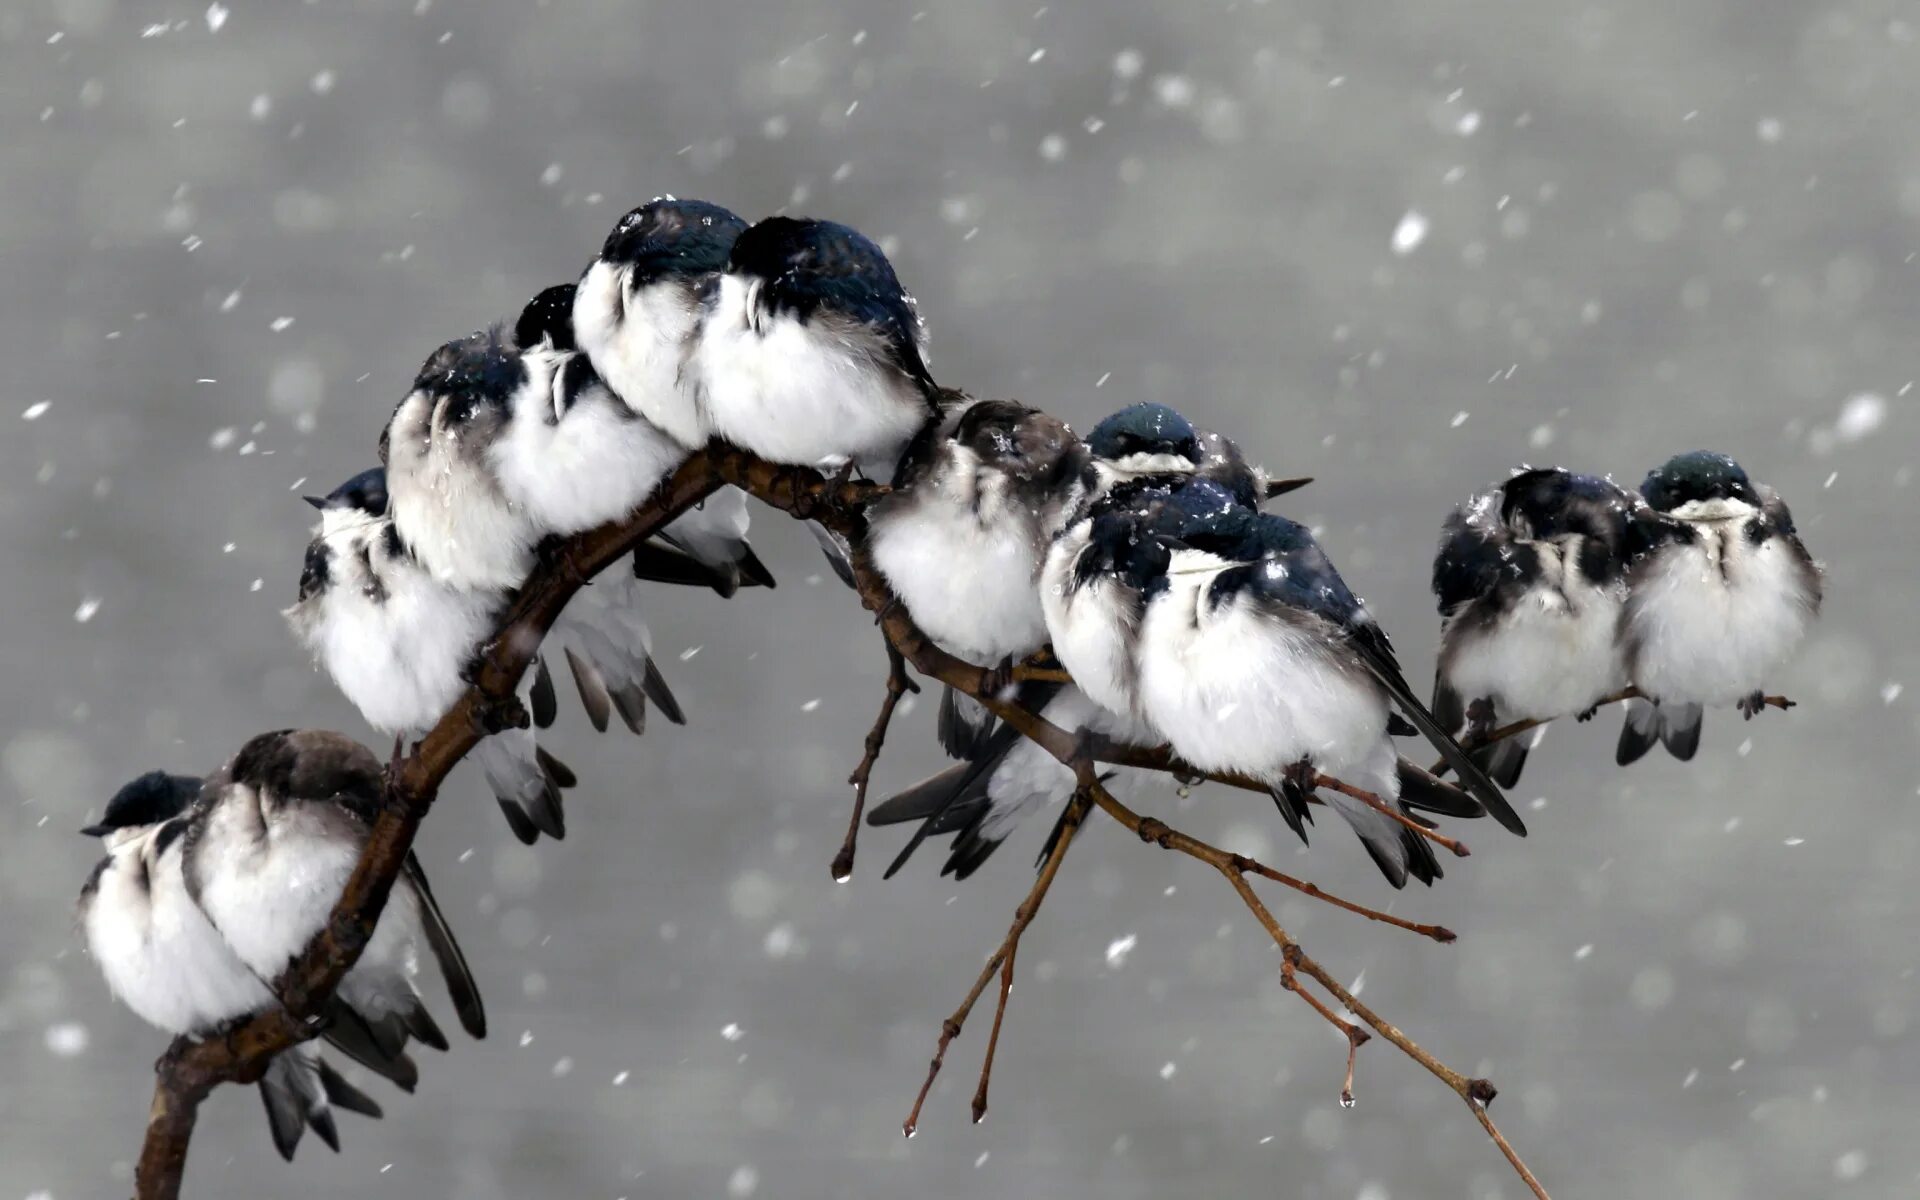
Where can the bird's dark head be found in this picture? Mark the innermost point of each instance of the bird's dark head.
(548, 317)
(365, 492)
(1024, 442)
(1147, 438)
(1696, 476)
(307, 764)
(668, 238)
(1123, 546)
(148, 800)
(470, 376)
(1204, 514)
(1549, 502)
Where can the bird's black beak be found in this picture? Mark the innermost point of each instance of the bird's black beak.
(316, 501)
(1280, 487)
(96, 831)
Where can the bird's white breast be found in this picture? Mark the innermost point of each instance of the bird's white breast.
(1553, 653)
(1091, 627)
(808, 394)
(594, 464)
(1234, 688)
(968, 576)
(456, 519)
(1708, 621)
(639, 343)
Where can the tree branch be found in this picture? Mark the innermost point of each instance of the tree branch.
(898, 685)
(192, 1068)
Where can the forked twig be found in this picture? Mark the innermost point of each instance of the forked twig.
(1001, 958)
(1516, 728)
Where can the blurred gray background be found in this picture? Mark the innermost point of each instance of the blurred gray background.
(228, 236)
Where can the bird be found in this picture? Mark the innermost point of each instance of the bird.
(811, 352)
(1531, 581)
(640, 305)
(1720, 595)
(498, 448)
(639, 357)
(1254, 657)
(163, 959)
(399, 643)
(270, 844)
(961, 537)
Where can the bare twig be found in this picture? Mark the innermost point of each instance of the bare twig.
(1001, 960)
(898, 685)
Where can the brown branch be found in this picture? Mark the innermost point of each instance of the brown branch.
(1022, 917)
(898, 685)
(1391, 813)
(1516, 728)
(191, 1069)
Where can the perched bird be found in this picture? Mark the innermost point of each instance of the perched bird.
(399, 642)
(962, 536)
(269, 846)
(640, 305)
(812, 352)
(497, 448)
(1531, 578)
(1253, 656)
(640, 358)
(1721, 596)
(164, 960)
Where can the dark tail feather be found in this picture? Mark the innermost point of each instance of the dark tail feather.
(1419, 790)
(523, 830)
(1395, 873)
(839, 554)
(631, 704)
(753, 572)
(657, 562)
(1504, 759)
(290, 1101)
(545, 706)
(1292, 803)
(924, 799)
(350, 1033)
(344, 1095)
(971, 851)
(1421, 861)
(1476, 781)
(655, 686)
(592, 689)
(965, 725)
(1638, 733)
(1680, 729)
(557, 772)
(940, 796)
(1398, 726)
(446, 951)
(423, 1028)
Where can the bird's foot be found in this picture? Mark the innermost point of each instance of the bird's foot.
(496, 714)
(1752, 704)
(1586, 714)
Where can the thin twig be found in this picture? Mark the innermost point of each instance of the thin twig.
(1022, 917)
(898, 685)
